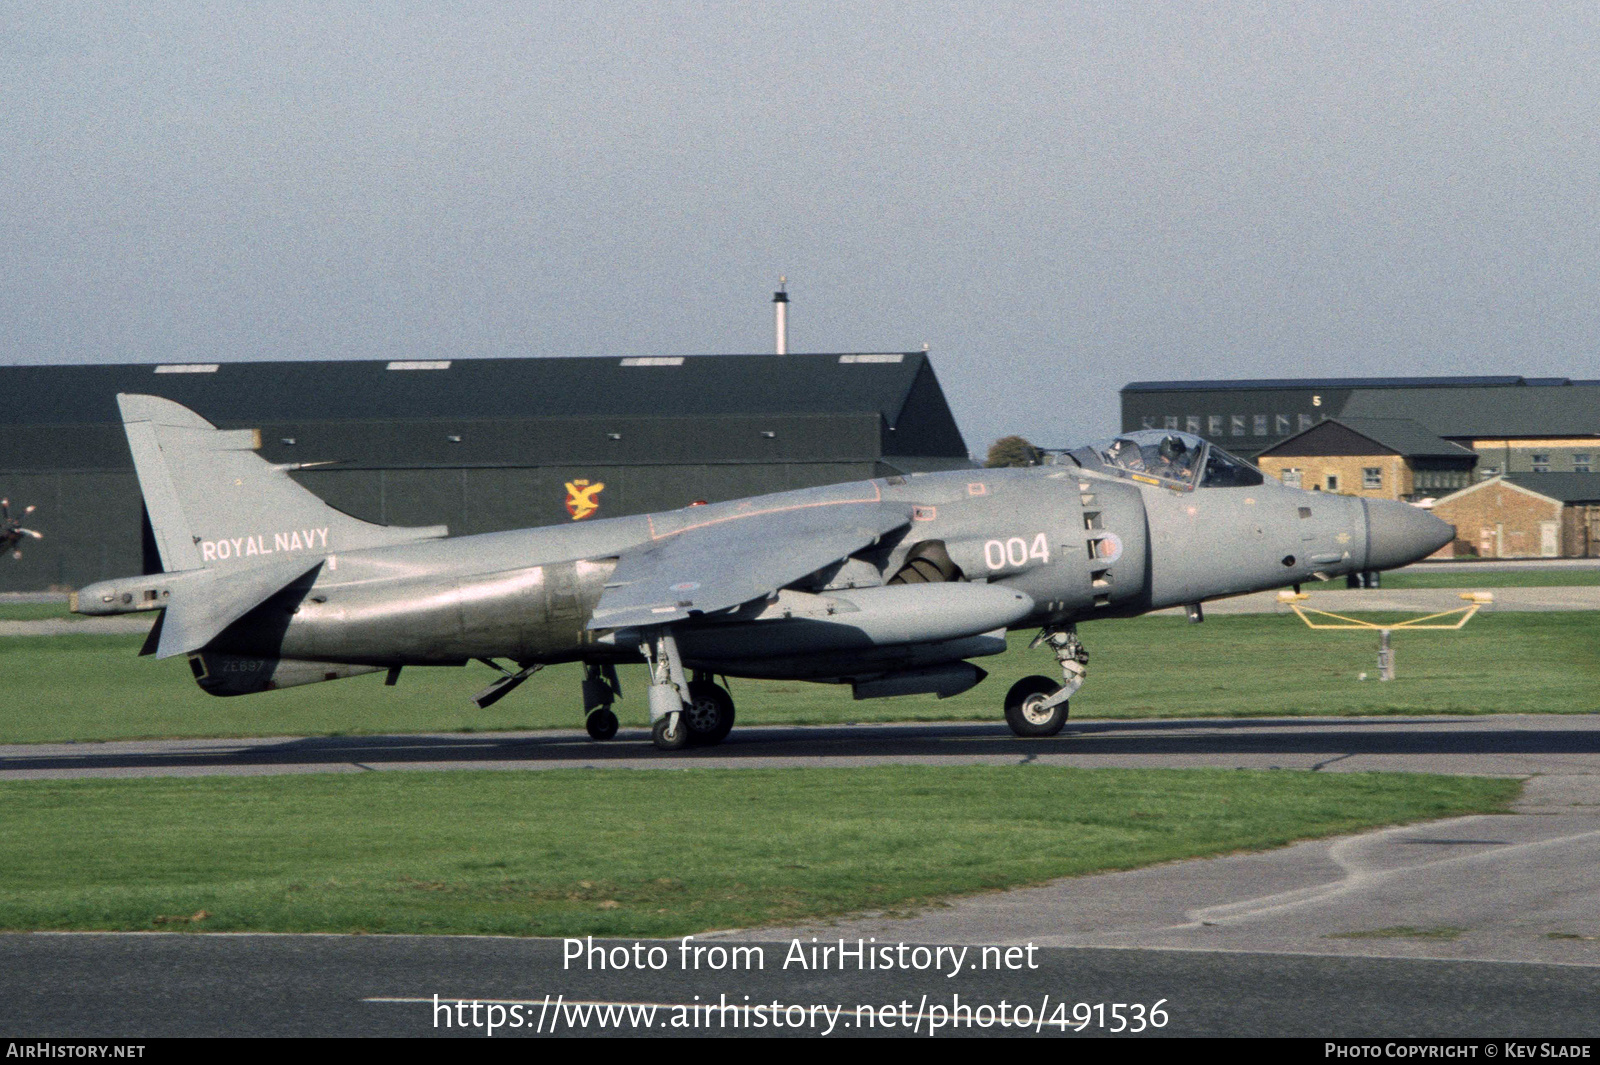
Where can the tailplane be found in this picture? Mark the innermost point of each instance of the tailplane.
(214, 502)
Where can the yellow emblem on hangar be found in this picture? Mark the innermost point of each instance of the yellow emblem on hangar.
(581, 501)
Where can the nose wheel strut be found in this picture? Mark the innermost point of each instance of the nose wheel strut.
(1037, 705)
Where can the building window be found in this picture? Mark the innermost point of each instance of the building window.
(1170, 421)
(1281, 422)
(1291, 477)
(1214, 425)
(1147, 422)
(1372, 477)
(1191, 423)
(1305, 421)
(1541, 462)
(1261, 425)
(1238, 425)
(1580, 461)
(1333, 482)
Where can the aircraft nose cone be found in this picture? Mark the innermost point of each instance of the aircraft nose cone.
(1399, 533)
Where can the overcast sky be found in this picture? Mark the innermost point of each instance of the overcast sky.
(1058, 198)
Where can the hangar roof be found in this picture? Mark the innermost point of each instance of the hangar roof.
(1399, 435)
(1488, 412)
(1567, 487)
(1453, 407)
(1331, 383)
(534, 411)
(688, 385)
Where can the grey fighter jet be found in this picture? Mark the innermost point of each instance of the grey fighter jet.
(890, 585)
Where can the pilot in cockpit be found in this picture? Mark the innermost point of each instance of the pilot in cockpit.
(1177, 459)
(1124, 453)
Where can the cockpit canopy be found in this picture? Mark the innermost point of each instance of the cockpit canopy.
(1165, 457)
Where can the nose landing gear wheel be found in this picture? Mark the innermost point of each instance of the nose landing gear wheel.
(670, 733)
(1024, 711)
(602, 724)
(709, 714)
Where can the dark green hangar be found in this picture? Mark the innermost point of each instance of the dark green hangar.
(1538, 424)
(476, 444)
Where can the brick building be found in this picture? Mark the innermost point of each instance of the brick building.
(1525, 516)
(1515, 424)
(1379, 458)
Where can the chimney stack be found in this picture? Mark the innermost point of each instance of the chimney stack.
(780, 307)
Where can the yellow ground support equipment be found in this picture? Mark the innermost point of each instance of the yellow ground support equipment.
(1296, 601)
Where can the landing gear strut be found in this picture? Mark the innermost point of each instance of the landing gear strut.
(1037, 705)
(669, 690)
(683, 713)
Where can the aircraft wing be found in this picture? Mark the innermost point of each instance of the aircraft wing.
(732, 559)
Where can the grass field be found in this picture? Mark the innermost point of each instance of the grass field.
(620, 853)
(94, 687)
(35, 612)
(1469, 577)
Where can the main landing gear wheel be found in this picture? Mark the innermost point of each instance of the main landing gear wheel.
(602, 724)
(1023, 712)
(670, 733)
(709, 713)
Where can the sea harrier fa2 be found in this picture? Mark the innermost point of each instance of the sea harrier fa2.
(889, 585)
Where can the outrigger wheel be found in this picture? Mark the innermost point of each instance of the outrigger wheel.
(602, 724)
(1023, 707)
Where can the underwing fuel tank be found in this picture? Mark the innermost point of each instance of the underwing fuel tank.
(798, 623)
(946, 680)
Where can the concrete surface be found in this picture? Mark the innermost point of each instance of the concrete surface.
(1517, 887)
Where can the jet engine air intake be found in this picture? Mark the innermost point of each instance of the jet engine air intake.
(927, 563)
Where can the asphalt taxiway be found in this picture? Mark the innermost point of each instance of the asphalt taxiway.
(155, 985)
(1499, 745)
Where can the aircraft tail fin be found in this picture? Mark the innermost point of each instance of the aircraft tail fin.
(214, 502)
